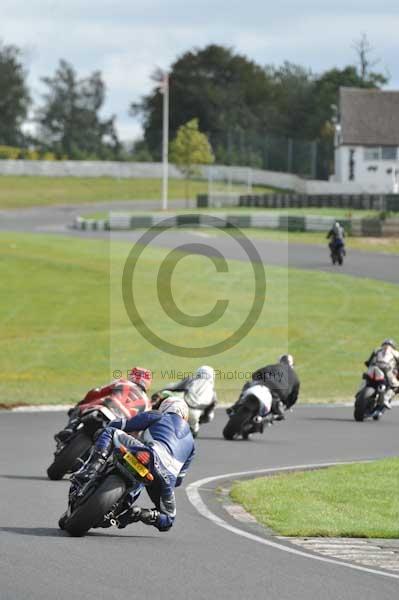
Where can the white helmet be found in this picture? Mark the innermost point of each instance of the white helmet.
(176, 405)
(390, 342)
(287, 359)
(205, 372)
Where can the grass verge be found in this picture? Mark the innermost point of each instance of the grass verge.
(19, 192)
(371, 244)
(345, 501)
(338, 213)
(385, 245)
(65, 328)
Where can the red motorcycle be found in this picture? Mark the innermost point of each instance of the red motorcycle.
(369, 400)
(91, 416)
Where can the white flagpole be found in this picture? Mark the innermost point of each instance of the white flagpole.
(165, 140)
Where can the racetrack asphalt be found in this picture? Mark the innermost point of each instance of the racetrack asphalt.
(57, 220)
(196, 559)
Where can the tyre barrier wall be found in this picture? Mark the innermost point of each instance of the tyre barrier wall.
(381, 202)
(355, 226)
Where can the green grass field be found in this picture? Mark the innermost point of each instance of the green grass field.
(18, 192)
(344, 501)
(65, 328)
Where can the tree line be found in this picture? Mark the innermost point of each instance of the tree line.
(247, 111)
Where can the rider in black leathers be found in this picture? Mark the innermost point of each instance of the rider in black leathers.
(282, 381)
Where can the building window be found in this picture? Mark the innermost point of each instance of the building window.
(389, 153)
(381, 153)
(372, 153)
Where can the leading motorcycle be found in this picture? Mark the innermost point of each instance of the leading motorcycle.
(105, 498)
(337, 251)
(93, 416)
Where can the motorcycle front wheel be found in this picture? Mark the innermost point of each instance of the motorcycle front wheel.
(364, 404)
(92, 512)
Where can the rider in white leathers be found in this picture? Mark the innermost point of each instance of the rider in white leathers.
(200, 395)
(386, 357)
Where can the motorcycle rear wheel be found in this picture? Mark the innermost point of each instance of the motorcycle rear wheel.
(66, 459)
(234, 425)
(91, 513)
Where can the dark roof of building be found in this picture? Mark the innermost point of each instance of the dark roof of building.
(369, 117)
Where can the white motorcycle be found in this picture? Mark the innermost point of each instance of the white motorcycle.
(249, 414)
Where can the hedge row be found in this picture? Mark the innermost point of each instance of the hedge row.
(14, 153)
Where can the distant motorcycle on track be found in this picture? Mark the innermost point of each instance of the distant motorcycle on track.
(337, 252)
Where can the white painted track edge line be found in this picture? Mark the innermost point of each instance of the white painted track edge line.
(194, 497)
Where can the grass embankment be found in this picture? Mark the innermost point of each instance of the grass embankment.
(18, 192)
(65, 329)
(344, 501)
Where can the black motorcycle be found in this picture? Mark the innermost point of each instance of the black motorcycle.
(248, 415)
(104, 498)
(338, 252)
(369, 401)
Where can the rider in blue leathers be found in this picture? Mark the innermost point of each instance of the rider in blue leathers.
(166, 434)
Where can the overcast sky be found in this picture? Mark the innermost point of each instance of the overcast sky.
(127, 39)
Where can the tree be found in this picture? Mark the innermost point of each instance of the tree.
(69, 121)
(140, 152)
(14, 96)
(293, 89)
(222, 89)
(363, 49)
(267, 117)
(189, 149)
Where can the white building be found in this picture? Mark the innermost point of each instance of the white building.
(367, 139)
